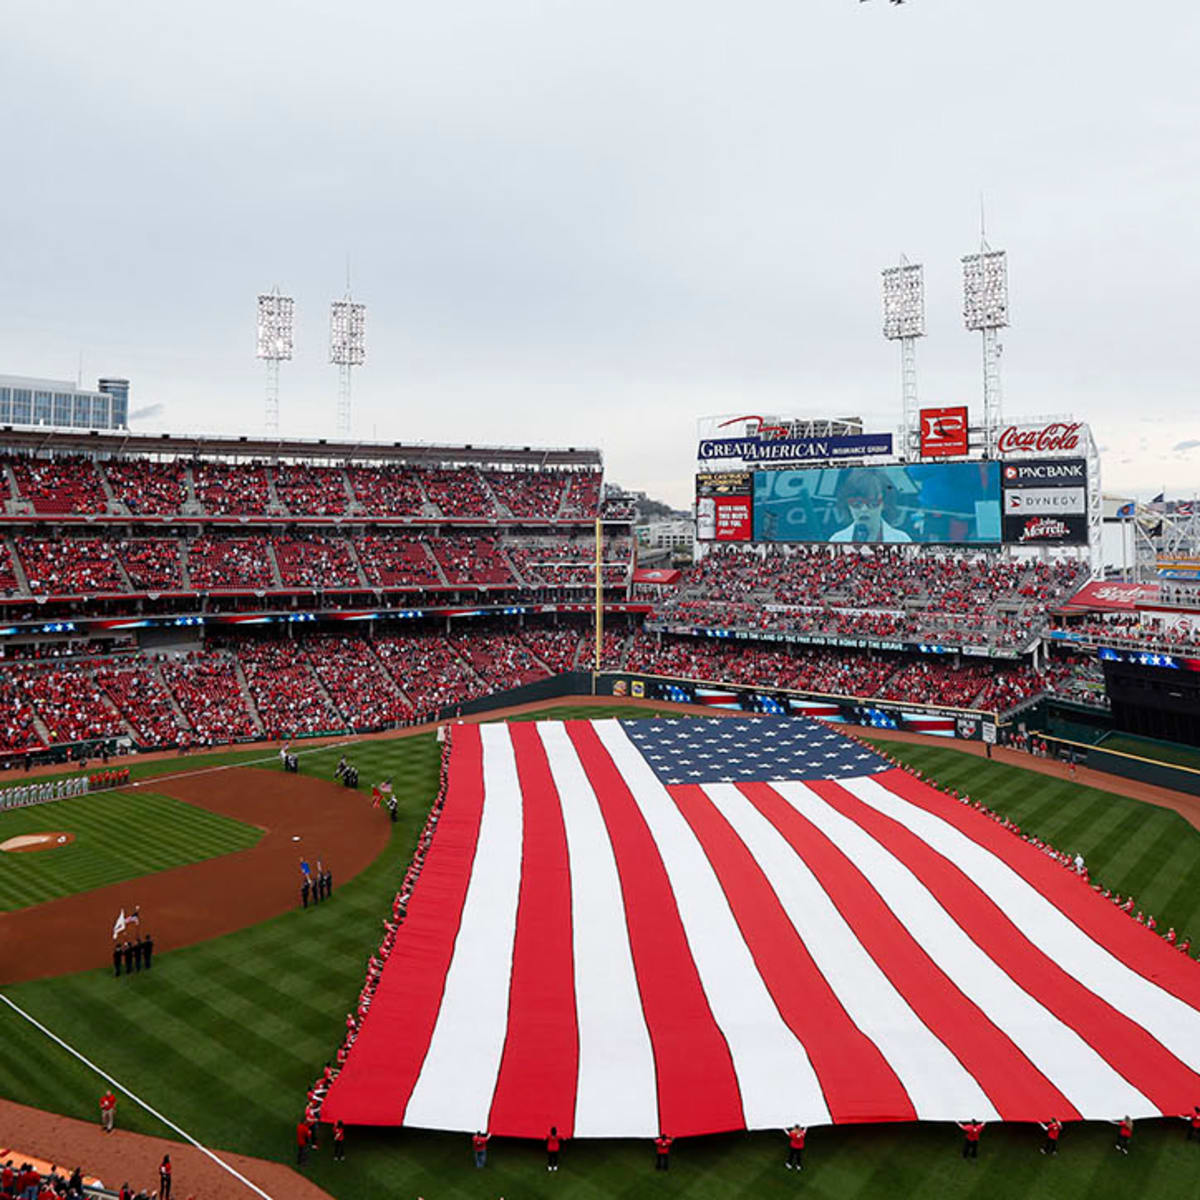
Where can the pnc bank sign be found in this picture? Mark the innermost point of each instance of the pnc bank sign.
(1056, 438)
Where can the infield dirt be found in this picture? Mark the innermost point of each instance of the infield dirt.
(206, 899)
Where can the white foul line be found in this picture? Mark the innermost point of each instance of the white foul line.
(187, 1137)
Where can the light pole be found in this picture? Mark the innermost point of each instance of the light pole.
(985, 310)
(347, 348)
(276, 323)
(904, 322)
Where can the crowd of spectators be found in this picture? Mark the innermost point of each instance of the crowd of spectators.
(393, 562)
(308, 491)
(583, 495)
(502, 660)
(569, 562)
(315, 561)
(65, 484)
(429, 671)
(961, 598)
(363, 692)
(153, 564)
(67, 702)
(1141, 631)
(528, 493)
(289, 698)
(135, 691)
(459, 493)
(206, 687)
(70, 566)
(145, 487)
(229, 563)
(386, 491)
(241, 489)
(478, 561)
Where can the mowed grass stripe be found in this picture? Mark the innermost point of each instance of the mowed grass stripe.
(227, 1036)
(118, 836)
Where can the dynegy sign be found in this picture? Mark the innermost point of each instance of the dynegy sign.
(794, 450)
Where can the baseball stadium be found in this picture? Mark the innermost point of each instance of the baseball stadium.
(674, 754)
(383, 789)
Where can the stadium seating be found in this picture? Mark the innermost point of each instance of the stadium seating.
(458, 493)
(230, 563)
(311, 491)
(66, 484)
(290, 699)
(71, 566)
(206, 687)
(393, 562)
(315, 561)
(241, 489)
(134, 689)
(386, 491)
(528, 493)
(147, 488)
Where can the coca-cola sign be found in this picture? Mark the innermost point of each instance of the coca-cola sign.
(1056, 438)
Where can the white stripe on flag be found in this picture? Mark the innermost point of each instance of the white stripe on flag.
(1165, 1017)
(458, 1076)
(939, 1087)
(616, 1095)
(1074, 1067)
(777, 1082)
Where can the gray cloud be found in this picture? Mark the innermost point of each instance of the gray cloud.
(590, 223)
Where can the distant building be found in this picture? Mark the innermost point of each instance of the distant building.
(59, 404)
(666, 535)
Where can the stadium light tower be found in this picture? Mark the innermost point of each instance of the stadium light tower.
(276, 324)
(904, 322)
(347, 348)
(985, 310)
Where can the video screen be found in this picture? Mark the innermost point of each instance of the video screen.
(928, 503)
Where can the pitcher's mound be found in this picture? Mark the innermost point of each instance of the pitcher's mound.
(37, 841)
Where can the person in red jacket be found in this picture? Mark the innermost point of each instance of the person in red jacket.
(1193, 1120)
(1124, 1133)
(662, 1152)
(479, 1141)
(302, 1140)
(795, 1158)
(339, 1142)
(553, 1144)
(108, 1110)
(7, 1177)
(1053, 1128)
(971, 1131)
(164, 1178)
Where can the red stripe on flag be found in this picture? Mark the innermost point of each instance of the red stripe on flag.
(1128, 1048)
(854, 1076)
(697, 1086)
(540, 1064)
(1012, 1083)
(382, 1068)
(1126, 940)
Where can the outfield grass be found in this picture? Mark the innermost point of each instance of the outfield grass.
(226, 1037)
(118, 836)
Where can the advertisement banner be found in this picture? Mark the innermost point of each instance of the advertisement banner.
(1046, 530)
(754, 451)
(931, 503)
(725, 483)
(943, 432)
(724, 518)
(1032, 501)
(1059, 437)
(1046, 472)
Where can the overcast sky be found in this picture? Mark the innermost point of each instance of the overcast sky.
(585, 223)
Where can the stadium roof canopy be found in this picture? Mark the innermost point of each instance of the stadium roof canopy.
(83, 441)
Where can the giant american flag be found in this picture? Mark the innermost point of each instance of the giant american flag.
(697, 925)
